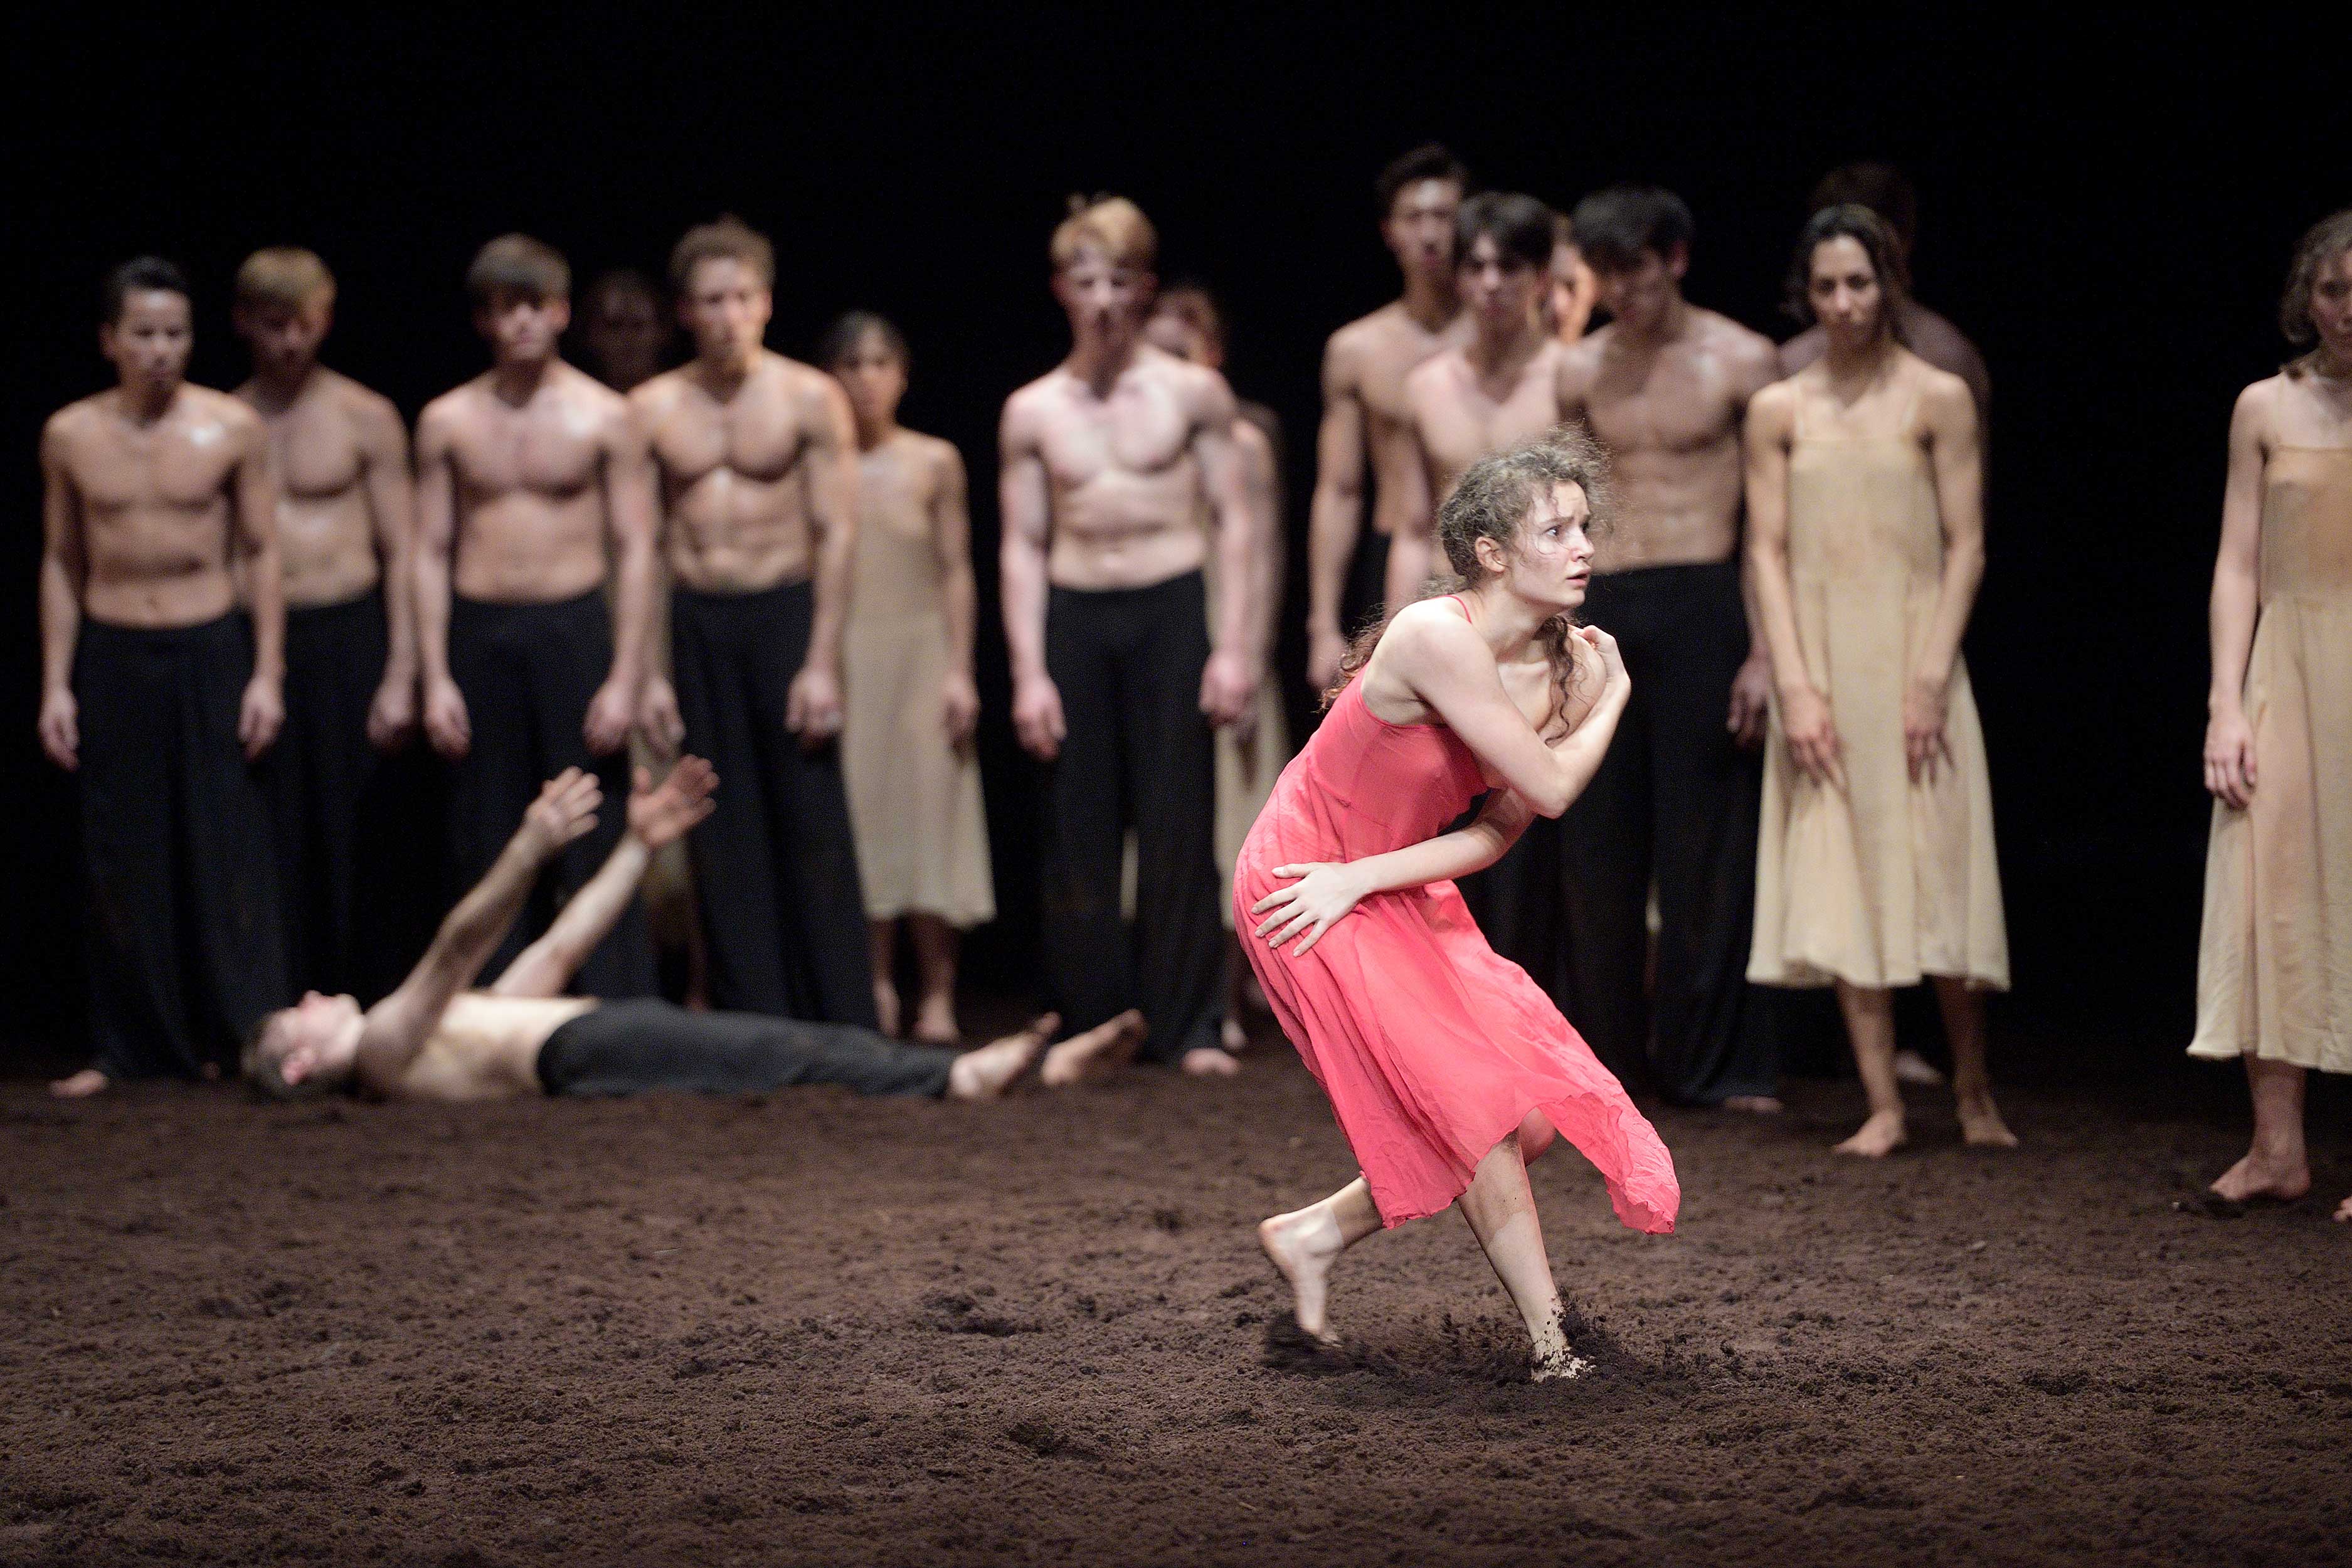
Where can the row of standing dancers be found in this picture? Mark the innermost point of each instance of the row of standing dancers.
(1129, 481)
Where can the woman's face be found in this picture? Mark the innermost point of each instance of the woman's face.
(1844, 290)
(874, 378)
(1552, 562)
(2331, 306)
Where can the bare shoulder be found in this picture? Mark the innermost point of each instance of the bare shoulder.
(1774, 407)
(1580, 361)
(1204, 391)
(2255, 414)
(1943, 397)
(1803, 350)
(365, 406)
(1359, 337)
(938, 456)
(450, 412)
(1430, 628)
(75, 421)
(657, 395)
(1034, 403)
(204, 403)
(1433, 375)
(1747, 349)
(582, 390)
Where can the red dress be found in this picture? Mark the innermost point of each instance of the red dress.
(1430, 1046)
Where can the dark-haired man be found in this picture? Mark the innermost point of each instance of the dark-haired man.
(758, 459)
(435, 1039)
(346, 538)
(1365, 421)
(1666, 384)
(158, 695)
(1889, 191)
(1110, 461)
(533, 483)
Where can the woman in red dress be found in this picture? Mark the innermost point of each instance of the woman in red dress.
(1446, 1067)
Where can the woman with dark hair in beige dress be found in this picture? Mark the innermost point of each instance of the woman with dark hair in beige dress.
(1875, 865)
(906, 751)
(2275, 966)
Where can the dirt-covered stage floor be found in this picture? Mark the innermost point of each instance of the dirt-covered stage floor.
(813, 1330)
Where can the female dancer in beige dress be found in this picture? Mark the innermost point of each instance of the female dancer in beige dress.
(2275, 967)
(1874, 865)
(906, 752)
(1187, 321)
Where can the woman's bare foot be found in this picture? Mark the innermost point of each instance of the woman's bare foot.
(1233, 1036)
(886, 1007)
(1208, 1061)
(987, 1072)
(1880, 1136)
(1753, 1104)
(934, 1021)
(1980, 1123)
(1096, 1055)
(2263, 1176)
(81, 1085)
(1560, 1364)
(1910, 1067)
(1303, 1247)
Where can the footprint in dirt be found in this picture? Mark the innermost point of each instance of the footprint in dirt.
(1491, 1351)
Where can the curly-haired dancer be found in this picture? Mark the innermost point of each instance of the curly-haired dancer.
(1446, 1067)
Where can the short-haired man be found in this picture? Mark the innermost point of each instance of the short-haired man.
(435, 1039)
(757, 460)
(1666, 384)
(1889, 191)
(1109, 462)
(1365, 421)
(624, 329)
(531, 478)
(346, 537)
(158, 695)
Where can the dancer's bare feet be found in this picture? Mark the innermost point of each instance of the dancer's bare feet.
(1753, 1104)
(1880, 1136)
(1560, 1364)
(1910, 1067)
(1233, 1036)
(1303, 1246)
(934, 1021)
(81, 1085)
(1980, 1123)
(1096, 1055)
(2261, 1175)
(1208, 1061)
(886, 1007)
(986, 1073)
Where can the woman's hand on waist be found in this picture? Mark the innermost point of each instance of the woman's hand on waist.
(1322, 894)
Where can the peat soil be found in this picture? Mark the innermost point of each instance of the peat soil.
(804, 1329)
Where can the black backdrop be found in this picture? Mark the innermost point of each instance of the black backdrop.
(2106, 212)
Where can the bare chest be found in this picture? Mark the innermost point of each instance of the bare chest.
(750, 436)
(1466, 418)
(179, 464)
(1141, 430)
(548, 446)
(1662, 403)
(315, 452)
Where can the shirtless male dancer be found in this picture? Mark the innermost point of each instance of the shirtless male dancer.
(531, 478)
(1665, 385)
(757, 458)
(1364, 416)
(435, 1039)
(1889, 191)
(158, 695)
(346, 541)
(1110, 460)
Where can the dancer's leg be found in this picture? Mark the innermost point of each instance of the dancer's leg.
(934, 962)
(882, 938)
(1502, 1215)
(1305, 1243)
(1964, 1026)
(2276, 1167)
(1870, 1024)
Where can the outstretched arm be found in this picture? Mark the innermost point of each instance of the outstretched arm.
(658, 815)
(398, 1026)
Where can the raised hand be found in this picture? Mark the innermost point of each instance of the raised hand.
(660, 814)
(566, 810)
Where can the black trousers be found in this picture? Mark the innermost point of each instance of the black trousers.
(1139, 754)
(775, 867)
(629, 1047)
(184, 947)
(346, 857)
(529, 672)
(1676, 800)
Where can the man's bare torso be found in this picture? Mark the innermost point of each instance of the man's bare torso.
(733, 473)
(1459, 416)
(531, 509)
(321, 445)
(485, 1046)
(1670, 414)
(1381, 352)
(1125, 492)
(154, 503)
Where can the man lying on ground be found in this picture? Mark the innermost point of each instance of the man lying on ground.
(435, 1039)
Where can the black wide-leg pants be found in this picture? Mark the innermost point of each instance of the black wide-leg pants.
(186, 953)
(775, 867)
(529, 672)
(632, 1047)
(1139, 753)
(1676, 799)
